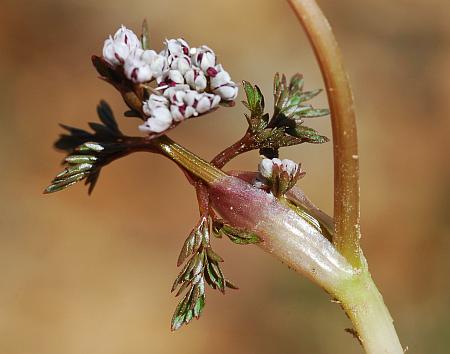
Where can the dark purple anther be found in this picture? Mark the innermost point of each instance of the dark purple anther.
(212, 72)
(182, 109)
(134, 73)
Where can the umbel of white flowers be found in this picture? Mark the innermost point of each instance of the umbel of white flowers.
(266, 167)
(190, 82)
(277, 175)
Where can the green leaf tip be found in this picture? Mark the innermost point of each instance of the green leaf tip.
(145, 37)
(236, 235)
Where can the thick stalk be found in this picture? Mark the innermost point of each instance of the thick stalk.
(284, 233)
(300, 246)
(296, 243)
(186, 159)
(365, 307)
(345, 148)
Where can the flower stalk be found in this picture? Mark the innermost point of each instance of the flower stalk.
(343, 121)
(187, 160)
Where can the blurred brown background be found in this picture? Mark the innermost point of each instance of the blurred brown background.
(83, 274)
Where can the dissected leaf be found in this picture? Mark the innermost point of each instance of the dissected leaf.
(257, 120)
(238, 235)
(307, 134)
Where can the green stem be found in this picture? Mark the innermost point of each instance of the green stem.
(365, 307)
(345, 147)
(189, 161)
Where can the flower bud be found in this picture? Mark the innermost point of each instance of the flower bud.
(144, 65)
(196, 79)
(265, 168)
(128, 37)
(227, 92)
(160, 121)
(181, 112)
(175, 77)
(136, 68)
(116, 49)
(289, 166)
(181, 63)
(206, 102)
(157, 62)
(177, 47)
(204, 58)
(154, 101)
(277, 175)
(222, 85)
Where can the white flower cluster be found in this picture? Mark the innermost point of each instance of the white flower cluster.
(266, 167)
(277, 175)
(189, 79)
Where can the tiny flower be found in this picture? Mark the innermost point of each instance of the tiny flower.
(171, 92)
(136, 68)
(204, 58)
(206, 102)
(171, 78)
(266, 167)
(196, 79)
(158, 63)
(144, 65)
(116, 49)
(177, 47)
(115, 53)
(182, 63)
(222, 85)
(182, 111)
(277, 175)
(154, 101)
(227, 92)
(128, 37)
(160, 121)
(289, 166)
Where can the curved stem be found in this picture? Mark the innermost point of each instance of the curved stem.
(345, 148)
(225, 156)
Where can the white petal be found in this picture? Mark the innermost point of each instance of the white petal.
(176, 114)
(176, 76)
(265, 168)
(289, 166)
(201, 83)
(276, 161)
(222, 78)
(189, 112)
(227, 93)
(128, 37)
(162, 114)
(190, 97)
(216, 100)
(157, 126)
(158, 123)
(203, 105)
